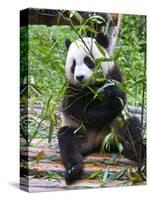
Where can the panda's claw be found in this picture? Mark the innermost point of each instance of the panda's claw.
(73, 174)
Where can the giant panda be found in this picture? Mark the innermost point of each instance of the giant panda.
(86, 120)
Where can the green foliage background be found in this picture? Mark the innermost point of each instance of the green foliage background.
(131, 55)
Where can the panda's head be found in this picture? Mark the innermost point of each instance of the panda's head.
(81, 58)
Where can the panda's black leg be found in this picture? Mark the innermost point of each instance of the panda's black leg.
(70, 149)
(131, 137)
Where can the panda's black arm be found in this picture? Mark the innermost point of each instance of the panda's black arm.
(98, 113)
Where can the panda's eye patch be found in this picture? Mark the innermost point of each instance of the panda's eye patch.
(89, 62)
(73, 66)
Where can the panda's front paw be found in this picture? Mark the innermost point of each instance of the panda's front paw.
(73, 173)
(112, 91)
(109, 91)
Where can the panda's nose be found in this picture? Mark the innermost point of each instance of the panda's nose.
(80, 78)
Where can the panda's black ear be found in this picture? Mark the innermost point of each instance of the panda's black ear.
(67, 43)
(103, 40)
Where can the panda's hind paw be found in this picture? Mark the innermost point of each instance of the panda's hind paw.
(72, 174)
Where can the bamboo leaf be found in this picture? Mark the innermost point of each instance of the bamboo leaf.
(117, 175)
(134, 176)
(40, 155)
(91, 29)
(77, 15)
(101, 89)
(52, 175)
(100, 48)
(98, 17)
(95, 174)
(51, 127)
(106, 142)
(106, 174)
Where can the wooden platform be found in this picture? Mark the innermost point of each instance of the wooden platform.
(50, 17)
(45, 170)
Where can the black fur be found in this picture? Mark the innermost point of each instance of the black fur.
(131, 138)
(67, 43)
(73, 66)
(103, 40)
(95, 113)
(115, 74)
(70, 148)
(89, 62)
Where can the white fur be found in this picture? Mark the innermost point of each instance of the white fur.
(79, 51)
(67, 120)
